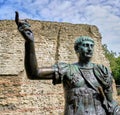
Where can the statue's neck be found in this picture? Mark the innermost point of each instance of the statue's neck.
(85, 64)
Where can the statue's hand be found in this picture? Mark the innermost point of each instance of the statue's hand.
(24, 28)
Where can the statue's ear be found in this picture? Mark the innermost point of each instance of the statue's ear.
(76, 48)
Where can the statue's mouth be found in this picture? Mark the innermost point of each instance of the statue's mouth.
(89, 54)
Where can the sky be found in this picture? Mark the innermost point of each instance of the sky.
(105, 14)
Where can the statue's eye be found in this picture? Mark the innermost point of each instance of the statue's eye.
(84, 45)
(92, 45)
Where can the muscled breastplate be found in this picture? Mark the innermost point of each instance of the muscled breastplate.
(81, 95)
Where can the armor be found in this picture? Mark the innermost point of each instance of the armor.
(84, 89)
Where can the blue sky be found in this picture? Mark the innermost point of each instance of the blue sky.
(105, 14)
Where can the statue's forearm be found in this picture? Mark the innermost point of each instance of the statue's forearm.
(31, 65)
(30, 60)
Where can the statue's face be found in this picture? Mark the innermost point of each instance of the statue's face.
(86, 50)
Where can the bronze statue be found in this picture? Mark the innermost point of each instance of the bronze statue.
(87, 86)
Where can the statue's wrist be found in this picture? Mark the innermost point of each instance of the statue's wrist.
(27, 35)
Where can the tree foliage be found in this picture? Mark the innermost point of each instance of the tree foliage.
(114, 63)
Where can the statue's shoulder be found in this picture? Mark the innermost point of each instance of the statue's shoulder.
(103, 74)
(63, 67)
(75, 66)
(68, 67)
(101, 68)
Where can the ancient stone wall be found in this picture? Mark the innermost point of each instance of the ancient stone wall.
(53, 43)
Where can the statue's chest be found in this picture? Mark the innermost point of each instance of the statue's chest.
(79, 77)
(89, 76)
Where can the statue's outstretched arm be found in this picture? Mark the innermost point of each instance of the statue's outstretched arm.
(30, 58)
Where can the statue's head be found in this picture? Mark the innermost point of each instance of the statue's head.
(84, 46)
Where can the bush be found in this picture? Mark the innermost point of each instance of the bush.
(114, 63)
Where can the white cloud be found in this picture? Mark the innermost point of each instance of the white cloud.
(103, 13)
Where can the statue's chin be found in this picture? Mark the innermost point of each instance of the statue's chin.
(85, 58)
(88, 55)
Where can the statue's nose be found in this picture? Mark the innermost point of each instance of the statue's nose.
(89, 47)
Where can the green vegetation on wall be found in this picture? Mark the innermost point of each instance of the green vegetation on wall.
(114, 63)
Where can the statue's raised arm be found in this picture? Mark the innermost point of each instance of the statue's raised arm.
(30, 58)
